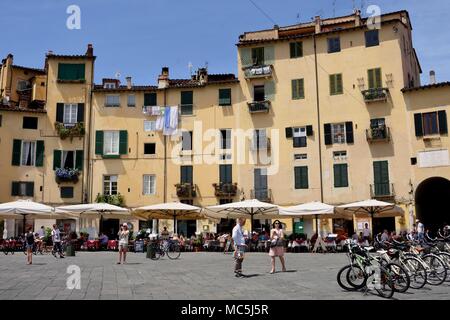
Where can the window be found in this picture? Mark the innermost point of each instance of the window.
(186, 174)
(23, 85)
(224, 97)
(430, 123)
(149, 125)
(149, 184)
(109, 85)
(70, 113)
(298, 89)
(340, 175)
(187, 101)
(23, 189)
(301, 177)
(109, 185)
(340, 155)
(67, 159)
(300, 156)
(225, 139)
(131, 100)
(372, 38)
(259, 93)
(336, 86)
(375, 80)
(377, 123)
(296, 49)
(338, 132)
(150, 99)
(334, 45)
(299, 137)
(112, 100)
(258, 56)
(71, 72)
(30, 123)
(28, 153)
(111, 143)
(149, 148)
(66, 192)
(186, 143)
(259, 141)
(225, 173)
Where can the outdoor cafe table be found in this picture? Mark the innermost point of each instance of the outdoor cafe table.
(93, 244)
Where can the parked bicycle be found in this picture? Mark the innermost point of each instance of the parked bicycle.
(161, 248)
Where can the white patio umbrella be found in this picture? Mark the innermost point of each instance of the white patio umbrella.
(96, 209)
(175, 210)
(27, 208)
(373, 208)
(246, 209)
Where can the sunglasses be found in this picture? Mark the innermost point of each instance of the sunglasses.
(277, 223)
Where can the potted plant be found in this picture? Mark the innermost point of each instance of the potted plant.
(75, 130)
(198, 243)
(66, 175)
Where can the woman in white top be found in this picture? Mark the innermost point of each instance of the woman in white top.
(123, 243)
(277, 245)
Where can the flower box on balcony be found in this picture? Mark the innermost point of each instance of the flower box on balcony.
(377, 94)
(225, 189)
(114, 199)
(186, 190)
(71, 130)
(66, 175)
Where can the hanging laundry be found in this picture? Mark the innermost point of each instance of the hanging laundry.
(171, 121)
(159, 125)
(156, 110)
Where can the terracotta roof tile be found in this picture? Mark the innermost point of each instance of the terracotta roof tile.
(429, 86)
(31, 69)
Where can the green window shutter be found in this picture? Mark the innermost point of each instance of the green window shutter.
(40, 153)
(378, 79)
(327, 134)
(150, 99)
(289, 132)
(224, 97)
(99, 142)
(56, 159)
(340, 175)
(309, 130)
(301, 177)
(381, 178)
(17, 146)
(186, 174)
(269, 90)
(298, 90)
(225, 173)
(339, 84)
(375, 80)
(246, 57)
(29, 189)
(304, 177)
(123, 142)
(80, 112)
(71, 71)
(60, 112)
(336, 86)
(349, 132)
(442, 117)
(79, 155)
(332, 84)
(418, 124)
(371, 77)
(15, 187)
(296, 49)
(269, 55)
(66, 192)
(187, 97)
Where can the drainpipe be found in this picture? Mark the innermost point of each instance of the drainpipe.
(318, 127)
(90, 178)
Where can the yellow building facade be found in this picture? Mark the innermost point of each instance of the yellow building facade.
(331, 110)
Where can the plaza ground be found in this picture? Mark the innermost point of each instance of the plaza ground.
(193, 276)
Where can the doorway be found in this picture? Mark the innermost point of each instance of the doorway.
(110, 227)
(187, 227)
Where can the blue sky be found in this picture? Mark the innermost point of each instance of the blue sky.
(138, 37)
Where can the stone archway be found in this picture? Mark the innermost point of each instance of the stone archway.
(432, 198)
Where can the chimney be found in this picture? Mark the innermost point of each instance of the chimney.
(49, 52)
(90, 50)
(202, 75)
(9, 59)
(163, 79)
(432, 77)
(318, 22)
(128, 82)
(357, 17)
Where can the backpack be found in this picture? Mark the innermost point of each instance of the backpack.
(30, 238)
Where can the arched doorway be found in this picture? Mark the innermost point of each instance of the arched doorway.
(432, 202)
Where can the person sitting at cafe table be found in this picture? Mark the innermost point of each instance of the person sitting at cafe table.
(103, 240)
(165, 234)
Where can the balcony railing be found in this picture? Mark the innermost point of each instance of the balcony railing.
(377, 94)
(264, 194)
(263, 71)
(186, 190)
(225, 189)
(382, 190)
(66, 175)
(258, 106)
(378, 134)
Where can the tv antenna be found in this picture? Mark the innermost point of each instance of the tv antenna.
(190, 67)
(117, 75)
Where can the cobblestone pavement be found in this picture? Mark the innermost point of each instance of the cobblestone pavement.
(193, 276)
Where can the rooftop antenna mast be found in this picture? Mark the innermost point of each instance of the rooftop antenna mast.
(190, 67)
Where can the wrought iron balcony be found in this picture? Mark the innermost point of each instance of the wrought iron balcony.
(374, 95)
(382, 190)
(262, 194)
(186, 190)
(258, 106)
(382, 133)
(225, 189)
(262, 71)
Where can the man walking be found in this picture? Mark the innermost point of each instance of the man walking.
(239, 246)
(56, 238)
(420, 230)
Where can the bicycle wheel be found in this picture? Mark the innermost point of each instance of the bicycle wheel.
(436, 271)
(400, 277)
(156, 251)
(445, 256)
(356, 277)
(173, 252)
(342, 278)
(384, 285)
(416, 271)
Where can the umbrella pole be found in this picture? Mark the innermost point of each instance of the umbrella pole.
(174, 223)
(23, 226)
